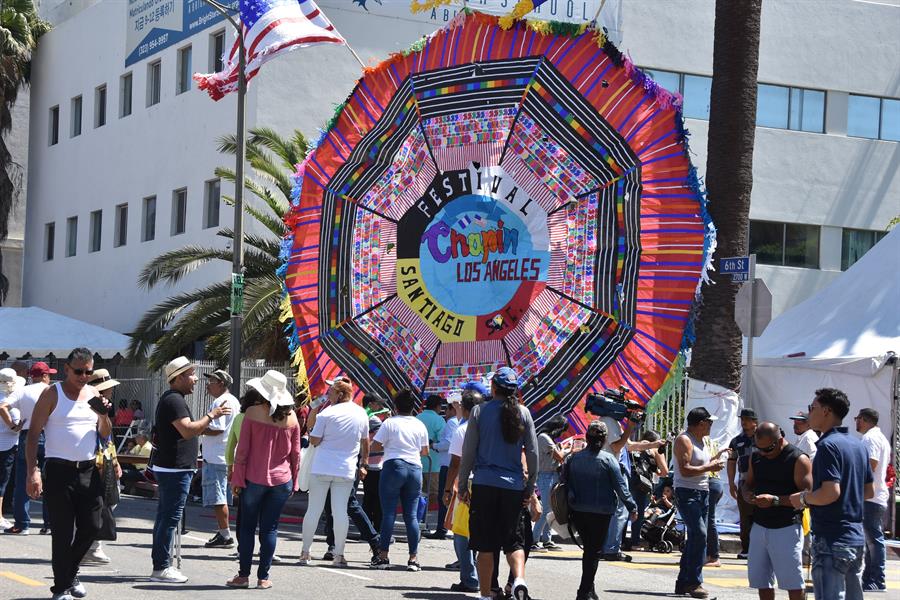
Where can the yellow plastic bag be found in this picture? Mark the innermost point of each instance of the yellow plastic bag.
(461, 519)
(806, 521)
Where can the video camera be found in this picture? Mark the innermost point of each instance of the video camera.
(613, 403)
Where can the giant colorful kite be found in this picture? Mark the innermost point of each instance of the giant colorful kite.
(517, 196)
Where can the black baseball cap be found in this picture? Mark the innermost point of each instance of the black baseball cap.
(700, 414)
(749, 413)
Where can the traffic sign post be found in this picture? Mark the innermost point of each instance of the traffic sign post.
(752, 313)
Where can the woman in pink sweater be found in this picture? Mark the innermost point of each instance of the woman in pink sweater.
(265, 471)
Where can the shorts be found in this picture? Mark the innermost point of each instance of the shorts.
(776, 554)
(494, 519)
(215, 485)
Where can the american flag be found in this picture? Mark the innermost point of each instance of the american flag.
(271, 27)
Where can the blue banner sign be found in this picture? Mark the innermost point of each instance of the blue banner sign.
(154, 25)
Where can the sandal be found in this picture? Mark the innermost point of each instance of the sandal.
(264, 584)
(238, 582)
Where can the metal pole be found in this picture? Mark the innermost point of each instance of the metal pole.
(237, 265)
(748, 383)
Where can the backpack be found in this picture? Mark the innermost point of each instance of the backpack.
(643, 467)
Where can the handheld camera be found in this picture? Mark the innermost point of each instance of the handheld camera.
(615, 404)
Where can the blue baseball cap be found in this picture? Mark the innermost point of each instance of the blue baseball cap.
(477, 386)
(506, 378)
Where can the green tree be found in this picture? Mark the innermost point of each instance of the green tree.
(716, 357)
(204, 313)
(20, 28)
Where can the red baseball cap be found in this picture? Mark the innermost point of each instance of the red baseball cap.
(39, 369)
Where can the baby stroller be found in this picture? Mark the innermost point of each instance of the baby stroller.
(659, 532)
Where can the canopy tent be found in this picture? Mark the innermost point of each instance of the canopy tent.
(39, 332)
(844, 336)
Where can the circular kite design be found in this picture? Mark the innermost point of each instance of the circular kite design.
(498, 197)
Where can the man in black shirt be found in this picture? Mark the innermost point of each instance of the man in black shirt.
(174, 460)
(777, 470)
(739, 460)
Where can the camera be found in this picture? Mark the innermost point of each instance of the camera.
(613, 403)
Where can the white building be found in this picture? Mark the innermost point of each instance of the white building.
(824, 184)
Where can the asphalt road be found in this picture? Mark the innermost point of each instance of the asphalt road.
(25, 569)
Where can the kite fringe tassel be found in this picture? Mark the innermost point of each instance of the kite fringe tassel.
(664, 97)
(522, 8)
(672, 383)
(417, 7)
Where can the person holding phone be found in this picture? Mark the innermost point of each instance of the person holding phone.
(70, 414)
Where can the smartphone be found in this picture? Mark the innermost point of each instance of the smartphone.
(96, 403)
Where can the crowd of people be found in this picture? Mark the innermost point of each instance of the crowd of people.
(476, 456)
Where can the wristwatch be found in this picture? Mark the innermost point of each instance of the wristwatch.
(776, 501)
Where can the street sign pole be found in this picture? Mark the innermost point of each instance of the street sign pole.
(748, 381)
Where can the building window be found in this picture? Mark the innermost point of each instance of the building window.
(183, 83)
(71, 236)
(100, 106)
(154, 82)
(148, 219)
(216, 51)
(890, 120)
(121, 232)
(863, 116)
(211, 203)
(807, 108)
(125, 87)
(785, 244)
(179, 211)
(49, 240)
(96, 231)
(855, 243)
(772, 106)
(75, 125)
(696, 91)
(54, 125)
(667, 79)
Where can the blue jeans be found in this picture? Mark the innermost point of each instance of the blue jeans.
(545, 482)
(468, 576)
(260, 504)
(21, 502)
(642, 500)
(693, 505)
(400, 481)
(7, 460)
(837, 570)
(442, 510)
(716, 490)
(173, 492)
(876, 554)
(613, 542)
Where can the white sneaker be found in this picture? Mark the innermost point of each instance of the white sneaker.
(277, 559)
(96, 556)
(168, 575)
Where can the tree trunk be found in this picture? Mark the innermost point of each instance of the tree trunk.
(716, 357)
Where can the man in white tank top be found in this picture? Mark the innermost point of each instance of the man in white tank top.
(692, 467)
(71, 414)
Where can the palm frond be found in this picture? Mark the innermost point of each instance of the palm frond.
(172, 266)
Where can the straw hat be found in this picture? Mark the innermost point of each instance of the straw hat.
(9, 381)
(102, 381)
(273, 387)
(177, 366)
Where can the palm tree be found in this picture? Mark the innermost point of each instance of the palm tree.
(716, 357)
(204, 313)
(20, 28)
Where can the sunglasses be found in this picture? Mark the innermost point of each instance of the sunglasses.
(768, 448)
(82, 372)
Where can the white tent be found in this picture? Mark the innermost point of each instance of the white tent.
(40, 332)
(845, 336)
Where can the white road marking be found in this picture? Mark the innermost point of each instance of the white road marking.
(346, 574)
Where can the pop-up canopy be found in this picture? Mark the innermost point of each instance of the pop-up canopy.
(844, 336)
(41, 332)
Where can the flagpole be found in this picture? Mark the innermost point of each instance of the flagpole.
(237, 261)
